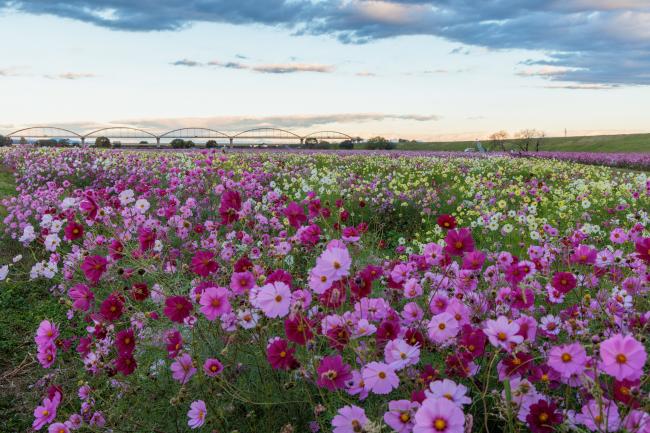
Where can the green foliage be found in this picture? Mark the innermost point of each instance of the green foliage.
(102, 142)
(377, 143)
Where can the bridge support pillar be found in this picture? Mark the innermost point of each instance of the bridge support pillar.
(230, 139)
(302, 142)
(83, 141)
(157, 141)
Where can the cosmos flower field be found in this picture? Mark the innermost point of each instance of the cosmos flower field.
(281, 292)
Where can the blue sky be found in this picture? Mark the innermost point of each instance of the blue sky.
(439, 69)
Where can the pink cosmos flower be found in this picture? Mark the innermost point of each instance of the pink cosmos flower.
(46, 354)
(212, 367)
(241, 282)
(400, 415)
(280, 355)
(295, 214)
(349, 419)
(214, 301)
(333, 373)
(442, 327)
(274, 299)
(623, 357)
(599, 416)
(93, 267)
(399, 354)
(47, 332)
(439, 415)
(58, 427)
(334, 262)
(564, 282)
(81, 297)
(230, 207)
(379, 378)
(503, 333)
(183, 368)
(642, 247)
(46, 413)
(568, 359)
(177, 308)
(450, 390)
(197, 414)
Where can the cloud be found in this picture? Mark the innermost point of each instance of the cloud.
(9, 72)
(186, 62)
(70, 76)
(275, 68)
(365, 74)
(598, 41)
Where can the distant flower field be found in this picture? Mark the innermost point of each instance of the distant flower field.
(335, 292)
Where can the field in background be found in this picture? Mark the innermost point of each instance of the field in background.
(598, 143)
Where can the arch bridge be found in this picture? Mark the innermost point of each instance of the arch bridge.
(275, 136)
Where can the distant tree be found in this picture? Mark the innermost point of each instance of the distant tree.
(102, 142)
(116, 144)
(311, 142)
(498, 140)
(526, 138)
(539, 140)
(347, 144)
(211, 144)
(178, 143)
(144, 142)
(357, 140)
(23, 140)
(4, 141)
(379, 143)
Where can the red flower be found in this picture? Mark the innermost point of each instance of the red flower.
(125, 364)
(298, 329)
(280, 355)
(202, 264)
(140, 291)
(73, 231)
(93, 268)
(459, 242)
(543, 417)
(146, 238)
(518, 363)
(563, 282)
(230, 207)
(125, 342)
(473, 340)
(295, 213)
(112, 308)
(177, 308)
(115, 249)
(447, 222)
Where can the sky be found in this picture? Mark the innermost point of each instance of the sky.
(413, 69)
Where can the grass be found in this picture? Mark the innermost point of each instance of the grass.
(598, 143)
(23, 306)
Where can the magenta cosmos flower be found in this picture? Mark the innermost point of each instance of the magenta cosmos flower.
(568, 359)
(623, 357)
(274, 299)
(93, 267)
(350, 419)
(439, 415)
(212, 367)
(196, 414)
(45, 413)
(564, 282)
(214, 302)
(503, 333)
(81, 297)
(333, 373)
(203, 263)
(47, 332)
(379, 378)
(459, 242)
(183, 368)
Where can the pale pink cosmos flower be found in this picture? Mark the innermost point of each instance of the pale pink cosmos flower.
(503, 333)
(399, 354)
(439, 415)
(349, 419)
(214, 302)
(412, 312)
(183, 368)
(623, 357)
(274, 299)
(568, 359)
(600, 416)
(46, 413)
(442, 327)
(196, 414)
(58, 427)
(47, 332)
(400, 415)
(334, 262)
(379, 378)
(450, 390)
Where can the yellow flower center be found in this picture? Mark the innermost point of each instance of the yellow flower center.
(440, 424)
(621, 359)
(566, 357)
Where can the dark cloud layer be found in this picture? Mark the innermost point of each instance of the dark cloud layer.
(587, 41)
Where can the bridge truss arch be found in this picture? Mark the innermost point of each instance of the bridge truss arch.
(37, 133)
(114, 133)
(267, 136)
(329, 135)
